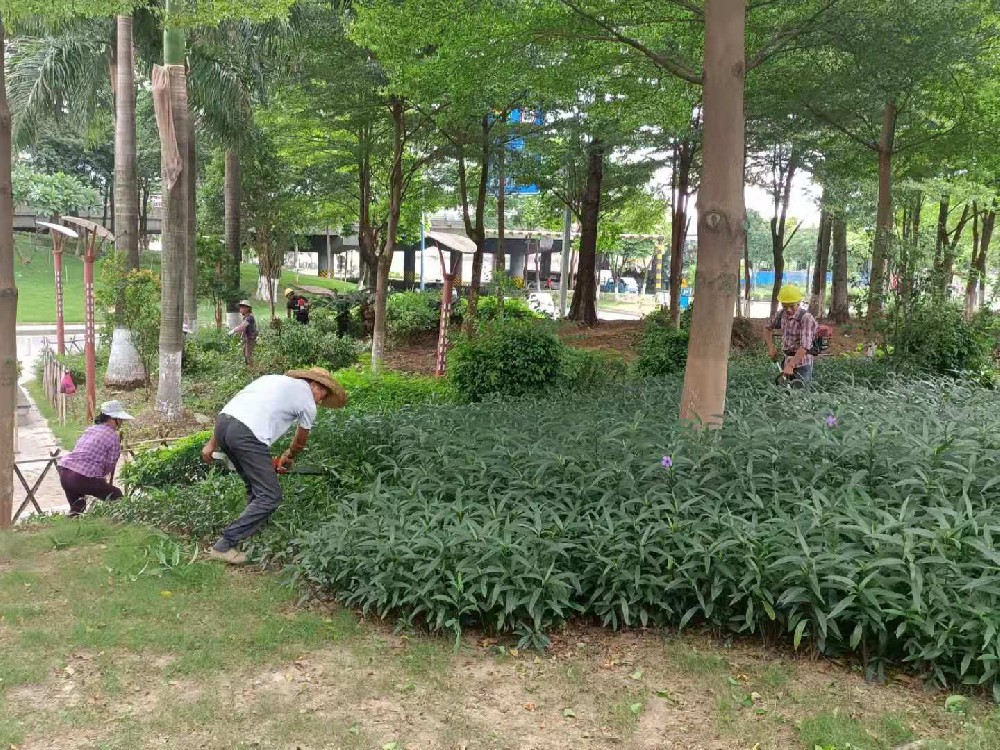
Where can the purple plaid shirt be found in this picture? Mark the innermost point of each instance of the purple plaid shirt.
(96, 452)
(798, 330)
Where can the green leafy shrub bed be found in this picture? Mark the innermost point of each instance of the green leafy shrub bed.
(850, 518)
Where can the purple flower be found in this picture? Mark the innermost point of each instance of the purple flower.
(667, 462)
(831, 421)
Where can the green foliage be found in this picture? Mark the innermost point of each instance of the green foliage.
(936, 338)
(178, 464)
(519, 518)
(589, 369)
(788, 540)
(411, 314)
(51, 194)
(390, 391)
(352, 449)
(514, 308)
(295, 345)
(132, 299)
(217, 271)
(662, 350)
(506, 358)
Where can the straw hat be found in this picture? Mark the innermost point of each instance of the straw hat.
(245, 303)
(337, 397)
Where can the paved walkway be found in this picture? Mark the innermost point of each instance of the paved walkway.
(35, 440)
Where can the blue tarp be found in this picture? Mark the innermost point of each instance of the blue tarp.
(795, 278)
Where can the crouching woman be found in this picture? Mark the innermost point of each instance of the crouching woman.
(90, 466)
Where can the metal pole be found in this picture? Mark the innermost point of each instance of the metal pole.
(564, 260)
(57, 251)
(89, 344)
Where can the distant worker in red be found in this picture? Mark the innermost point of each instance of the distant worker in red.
(298, 306)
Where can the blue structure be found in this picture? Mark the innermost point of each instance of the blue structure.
(795, 278)
(518, 117)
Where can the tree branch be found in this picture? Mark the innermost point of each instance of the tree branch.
(828, 119)
(791, 236)
(674, 67)
(779, 41)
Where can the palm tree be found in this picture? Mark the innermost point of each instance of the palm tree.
(8, 310)
(170, 90)
(125, 367)
(237, 59)
(74, 69)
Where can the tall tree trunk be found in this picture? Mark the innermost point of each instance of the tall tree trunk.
(8, 308)
(940, 241)
(175, 224)
(721, 213)
(681, 189)
(882, 248)
(499, 258)
(989, 224)
(391, 232)
(234, 245)
(367, 244)
(951, 241)
(144, 215)
(125, 368)
(840, 308)
(911, 241)
(584, 307)
(476, 230)
(818, 303)
(781, 198)
(982, 235)
(191, 260)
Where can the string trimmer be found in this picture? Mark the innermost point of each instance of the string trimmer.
(313, 471)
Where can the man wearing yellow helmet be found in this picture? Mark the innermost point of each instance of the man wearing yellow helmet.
(798, 332)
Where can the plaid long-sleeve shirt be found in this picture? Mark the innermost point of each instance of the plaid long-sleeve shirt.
(797, 330)
(96, 453)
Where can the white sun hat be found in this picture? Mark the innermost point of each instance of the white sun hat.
(115, 410)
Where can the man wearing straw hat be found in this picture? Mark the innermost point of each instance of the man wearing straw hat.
(246, 428)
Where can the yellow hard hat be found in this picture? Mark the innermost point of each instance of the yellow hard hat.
(289, 292)
(789, 295)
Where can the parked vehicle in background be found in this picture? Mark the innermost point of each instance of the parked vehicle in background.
(626, 285)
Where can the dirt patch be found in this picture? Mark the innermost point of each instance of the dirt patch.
(419, 356)
(592, 691)
(617, 336)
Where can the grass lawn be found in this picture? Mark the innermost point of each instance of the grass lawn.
(36, 282)
(120, 637)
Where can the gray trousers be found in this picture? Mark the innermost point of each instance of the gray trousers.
(253, 463)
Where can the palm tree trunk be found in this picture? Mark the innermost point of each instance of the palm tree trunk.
(231, 199)
(8, 309)
(173, 111)
(721, 213)
(191, 259)
(125, 368)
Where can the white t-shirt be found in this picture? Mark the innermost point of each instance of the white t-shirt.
(272, 404)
